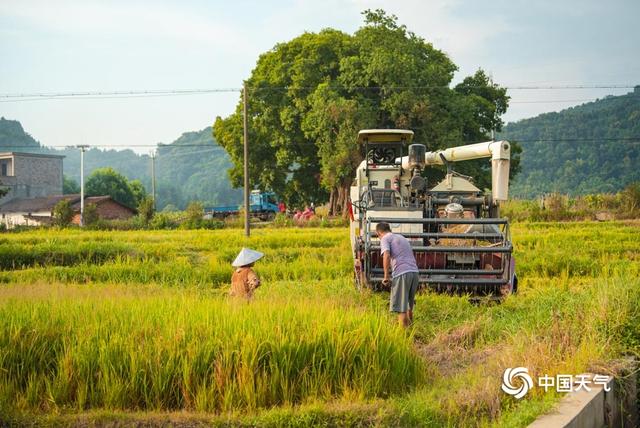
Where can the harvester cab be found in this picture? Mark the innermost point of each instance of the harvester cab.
(461, 244)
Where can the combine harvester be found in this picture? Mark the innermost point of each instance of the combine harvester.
(461, 244)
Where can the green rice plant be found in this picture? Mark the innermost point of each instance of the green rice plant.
(185, 351)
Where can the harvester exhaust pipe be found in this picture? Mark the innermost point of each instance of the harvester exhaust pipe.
(499, 151)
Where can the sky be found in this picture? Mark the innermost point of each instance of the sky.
(75, 46)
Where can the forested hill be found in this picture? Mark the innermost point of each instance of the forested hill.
(591, 148)
(193, 167)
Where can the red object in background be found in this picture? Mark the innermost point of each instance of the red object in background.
(307, 213)
(282, 207)
(351, 213)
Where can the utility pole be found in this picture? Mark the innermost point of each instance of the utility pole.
(153, 177)
(247, 208)
(82, 148)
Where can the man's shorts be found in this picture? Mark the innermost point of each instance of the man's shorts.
(403, 292)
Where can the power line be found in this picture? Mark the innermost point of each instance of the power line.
(212, 148)
(114, 94)
(574, 140)
(196, 152)
(16, 100)
(17, 97)
(120, 146)
(582, 100)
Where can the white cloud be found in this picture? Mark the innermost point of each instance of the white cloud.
(462, 36)
(130, 19)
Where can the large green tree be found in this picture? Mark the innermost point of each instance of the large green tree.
(282, 157)
(138, 191)
(310, 96)
(107, 181)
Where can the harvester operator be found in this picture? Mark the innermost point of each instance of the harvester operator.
(397, 254)
(244, 280)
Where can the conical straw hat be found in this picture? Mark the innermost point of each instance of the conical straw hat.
(246, 257)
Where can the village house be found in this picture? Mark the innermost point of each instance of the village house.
(39, 211)
(34, 182)
(30, 175)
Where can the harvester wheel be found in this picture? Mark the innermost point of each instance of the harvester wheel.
(510, 288)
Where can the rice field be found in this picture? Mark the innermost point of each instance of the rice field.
(135, 327)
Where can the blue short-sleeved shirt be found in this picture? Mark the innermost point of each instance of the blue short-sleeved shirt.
(401, 253)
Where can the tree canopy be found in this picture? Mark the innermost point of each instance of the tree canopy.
(107, 181)
(309, 96)
(69, 185)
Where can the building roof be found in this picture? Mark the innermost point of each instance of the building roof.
(39, 155)
(29, 205)
(97, 200)
(46, 204)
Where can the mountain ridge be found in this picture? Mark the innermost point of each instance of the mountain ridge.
(589, 148)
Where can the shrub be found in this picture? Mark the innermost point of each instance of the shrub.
(164, 220)
(202, 224)
(281, 220)
(234, 221)
(211, 224)
(194, 211)
(62, 213)
(146, 209)
(630, 197)
(118, 224)
(90, 216)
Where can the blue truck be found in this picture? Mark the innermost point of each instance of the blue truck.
(261, 204)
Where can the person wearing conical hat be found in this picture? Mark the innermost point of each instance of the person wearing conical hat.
(244, 280)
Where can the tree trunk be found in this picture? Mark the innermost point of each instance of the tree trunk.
(332, 202)
(345, 204)
(340, 202)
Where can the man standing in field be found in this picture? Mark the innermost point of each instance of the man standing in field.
(397, 254)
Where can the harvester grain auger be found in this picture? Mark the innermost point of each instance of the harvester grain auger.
(461, 244)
